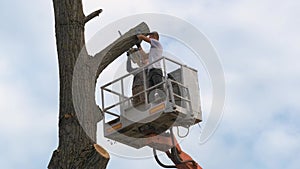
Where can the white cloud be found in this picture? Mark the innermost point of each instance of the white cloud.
(26, 127)
(28, 88)
(278, 147)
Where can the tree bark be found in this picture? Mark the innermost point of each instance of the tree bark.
(77, 132)
(76, 149)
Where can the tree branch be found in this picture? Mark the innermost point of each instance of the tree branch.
(117, 48)
(92, 15)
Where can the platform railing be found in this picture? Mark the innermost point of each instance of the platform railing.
(123, 99)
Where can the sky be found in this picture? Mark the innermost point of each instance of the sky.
(257, 43)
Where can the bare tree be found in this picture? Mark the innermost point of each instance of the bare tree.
(77, 132)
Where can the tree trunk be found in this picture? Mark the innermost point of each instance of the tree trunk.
(77, 131)
(76, 149)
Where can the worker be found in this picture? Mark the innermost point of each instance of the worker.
(141, 58)
(154, 70)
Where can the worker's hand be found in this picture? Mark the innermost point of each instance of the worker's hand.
(138, 41)
(139, 37)
(144, 38)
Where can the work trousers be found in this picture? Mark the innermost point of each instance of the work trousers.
(155, 76)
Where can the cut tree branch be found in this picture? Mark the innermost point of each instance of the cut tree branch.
(92, 15)
(102, 59)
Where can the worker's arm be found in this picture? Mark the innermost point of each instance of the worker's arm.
(144, 38)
